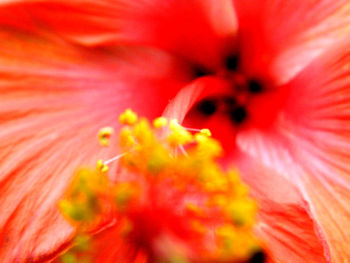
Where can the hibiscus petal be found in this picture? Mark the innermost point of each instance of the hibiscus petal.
(54, 98)
(290, 233)
(279, 38)
(91, 23)
(284, 223)
(199, 89)
(108, 247)
(310, 142)
(330, 204)
(209, 25)
(199, 30)
(325, 134)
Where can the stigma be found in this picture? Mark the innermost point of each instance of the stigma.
(169, 190)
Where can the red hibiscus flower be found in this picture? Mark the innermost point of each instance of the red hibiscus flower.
(269, 78)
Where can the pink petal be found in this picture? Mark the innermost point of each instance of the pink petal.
(330, 204)
(284, 223)
(310, 143)
(54, 98)
(203, 87)
(324, 132)
(290, 233)
(279, 38)
(91, 23)
(209, 25)
(199, 30)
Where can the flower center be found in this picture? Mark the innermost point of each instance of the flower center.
(238, 114)
(232, 62)
(243, 101)
(171, 200)
(254, 86)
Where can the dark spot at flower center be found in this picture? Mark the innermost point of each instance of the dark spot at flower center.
(230, 101)
(238, 114)
(254, 86)
(200, 72)
(258, 257)
(207, 107)
(232, 61)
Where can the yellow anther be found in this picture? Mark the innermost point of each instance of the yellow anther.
(242, 212)
(81, 203)
(216, 183)
(104, 135)
(124, 193)
(220, 200)
(178, 134)
(66, 207)
(160, 122)
(200, 138)
(82, 242)
(75, 210)
(143, 133)
(126, 138)
(103, 168)
(159, 160)
(173, 122)
(207, 146)
(206, 132)
(69, 258)
(226, 231)
(128, 117)
(229, 238)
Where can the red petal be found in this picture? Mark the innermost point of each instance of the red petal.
(91, 23)
(279, 37)
(55, 96)
(310, 143)
(109, 247)
(330, 204)
(284, 223)
(323, 130)
(197, 30)
(289, 232)
(185, 99)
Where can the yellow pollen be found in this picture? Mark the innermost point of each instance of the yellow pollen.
(104, 135)
(124, 193)
(206, 132)
(81, 201)
(160, 122)
(212, 203)
(101, 166)
(178, 134)
(126, 138)
(128, 117)
(207, 146)
(241, 212)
